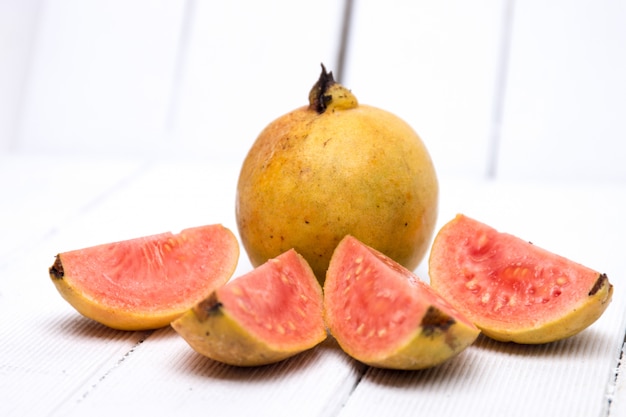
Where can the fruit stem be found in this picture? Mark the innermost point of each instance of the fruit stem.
(328, 94)
(318, 99)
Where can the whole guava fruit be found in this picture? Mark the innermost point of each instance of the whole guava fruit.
(336, 168)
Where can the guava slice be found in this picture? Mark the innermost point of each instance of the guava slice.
(147, 282)
(511, 289)
(383, 315)
(264, 316)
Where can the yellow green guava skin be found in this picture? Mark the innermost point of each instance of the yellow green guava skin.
(426, 349)
(229, 343)
(333, 168)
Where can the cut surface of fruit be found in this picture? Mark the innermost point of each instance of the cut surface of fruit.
(147, 282)
(383, 315)
(511, 289)
(267, 315)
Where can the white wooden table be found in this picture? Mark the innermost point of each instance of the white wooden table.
(55, 361)
(125, 118)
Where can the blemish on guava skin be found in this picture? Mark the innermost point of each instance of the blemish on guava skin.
(435, 320)
(56, 270)
(210, 306)
(602, 279)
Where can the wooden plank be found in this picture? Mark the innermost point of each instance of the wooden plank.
(101, 76)
(492, 379)
(40, 194)
(48, 350)
(435, 65)
(247, 64)
(565, 96)
(164, 377)
(617, 392)
(18, 23)
(171, 76)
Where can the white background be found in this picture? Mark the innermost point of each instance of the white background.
(519, 90)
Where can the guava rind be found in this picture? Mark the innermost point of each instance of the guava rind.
(303, 185)
(555, 297)
(265, 316)
(145, 283)
(383, 315)
(310, 178)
